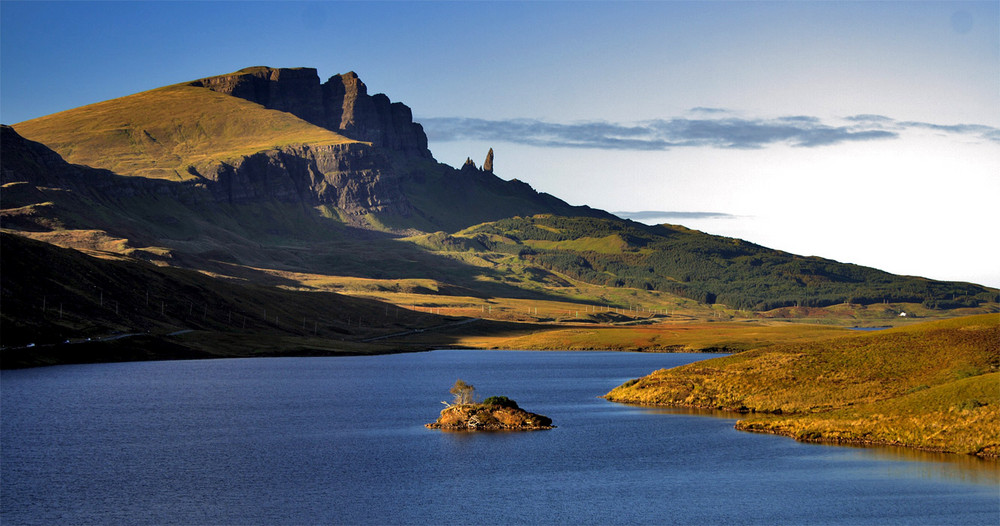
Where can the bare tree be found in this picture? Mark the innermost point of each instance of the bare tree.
(464, 393)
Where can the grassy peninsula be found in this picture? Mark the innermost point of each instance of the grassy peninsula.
(932, 386)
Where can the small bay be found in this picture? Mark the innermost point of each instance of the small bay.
(342, 441)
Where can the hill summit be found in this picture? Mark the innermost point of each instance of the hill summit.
(264, 135)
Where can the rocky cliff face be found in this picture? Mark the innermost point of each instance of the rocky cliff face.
(353, 177)
(390, 172)
(341, 104)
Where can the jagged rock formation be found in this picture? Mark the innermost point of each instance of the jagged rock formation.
(341, 104)
(488, 163)
(486, 417)
(276, 135)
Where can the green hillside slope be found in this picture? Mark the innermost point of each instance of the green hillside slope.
(710, 269)
(934, 385)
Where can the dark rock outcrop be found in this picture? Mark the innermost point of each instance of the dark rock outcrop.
(469, 165)
(293, 90)
(341, 104)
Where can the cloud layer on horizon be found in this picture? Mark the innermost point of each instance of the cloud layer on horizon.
(714, 128)
(666, 214)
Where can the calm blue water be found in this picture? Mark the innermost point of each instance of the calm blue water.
(341, 440)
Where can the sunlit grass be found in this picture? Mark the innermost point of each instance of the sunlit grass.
(931, 385)
(162, 132)
(961, 416)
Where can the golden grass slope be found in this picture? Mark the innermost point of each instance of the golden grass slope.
(933, 385)
(160, 133)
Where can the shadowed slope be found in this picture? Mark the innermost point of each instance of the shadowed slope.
(53, 295)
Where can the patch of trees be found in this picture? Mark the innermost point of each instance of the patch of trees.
(501, 401)
(463, 392)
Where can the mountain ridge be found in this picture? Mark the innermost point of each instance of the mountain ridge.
(247, 137)
(264, 159)
(341, 104)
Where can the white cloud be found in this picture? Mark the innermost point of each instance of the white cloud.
(717, 129)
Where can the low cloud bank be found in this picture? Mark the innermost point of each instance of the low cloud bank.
(714, 128)
(656, 214)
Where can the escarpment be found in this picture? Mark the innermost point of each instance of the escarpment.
(341, 104)
(263, 136)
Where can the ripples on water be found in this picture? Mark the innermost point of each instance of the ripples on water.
(341, 440)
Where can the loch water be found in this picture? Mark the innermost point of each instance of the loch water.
(342, 441)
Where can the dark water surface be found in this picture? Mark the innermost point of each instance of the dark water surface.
(341, 441)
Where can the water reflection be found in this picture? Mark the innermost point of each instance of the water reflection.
(896, 462)
(718, 413)
(907, 462)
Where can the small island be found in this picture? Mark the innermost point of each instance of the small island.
(496, 413)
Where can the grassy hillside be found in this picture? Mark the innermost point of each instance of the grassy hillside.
(52, 295)
(709, 269)
(667, 334)
(933, 385)
(162, 132)
(72, 307)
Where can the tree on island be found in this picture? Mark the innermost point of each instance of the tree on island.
(464, 393)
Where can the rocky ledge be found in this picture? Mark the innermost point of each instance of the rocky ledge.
(489, 417)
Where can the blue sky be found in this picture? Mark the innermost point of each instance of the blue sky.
(865, 132)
